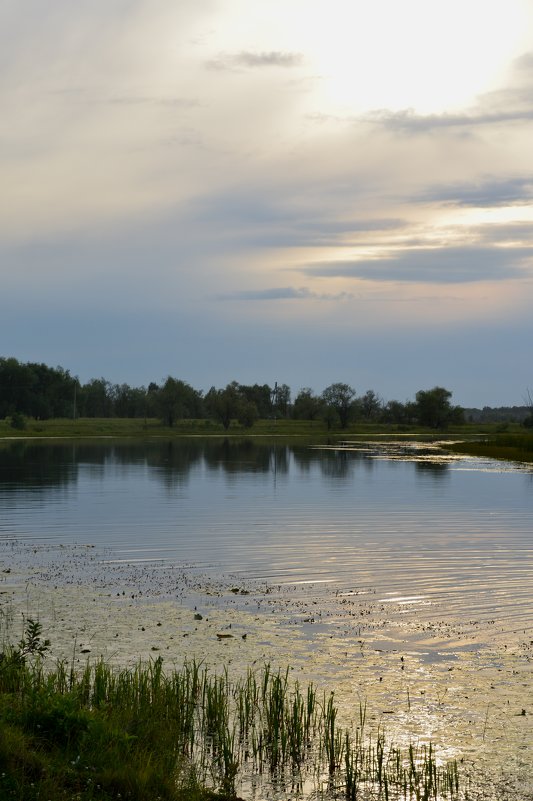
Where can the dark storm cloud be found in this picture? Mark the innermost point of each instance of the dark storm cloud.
(451, 265)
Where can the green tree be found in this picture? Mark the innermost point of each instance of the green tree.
(223, 404)
(177, 400)
(340, 398)
(35, 390)
(307, 405)
(95, 398)
(247, 413)
(395, 412)
(281, 400)
(260, 396)
(370, 405)
(433, 408)
(528, 420)
(17, 382)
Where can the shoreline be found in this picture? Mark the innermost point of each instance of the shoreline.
(422, 676)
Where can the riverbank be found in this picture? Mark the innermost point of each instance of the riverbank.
(466, 685)
(509, 442)
(82, 428)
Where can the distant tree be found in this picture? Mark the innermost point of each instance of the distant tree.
(370, 405)
(329, 415)
(307, 406)
(247, 413)
(16, 387)
(232, 403)
(177, 400)
(433, 408)
(18, 421)
(223, 404)
(95, 398)
(281, 400)
(260, 396)
(35, 390)
(395, 412)
(340, 398)
(528, 421)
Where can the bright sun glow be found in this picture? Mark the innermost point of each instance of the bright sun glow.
(413, 54)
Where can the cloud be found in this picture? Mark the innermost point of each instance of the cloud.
(451, 265)
(409, 122)
(148, 100)
(283, 293)
(272, 217)
(253, 60)
(488, 192)
(511, 104)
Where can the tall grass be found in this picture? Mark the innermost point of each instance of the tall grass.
(142, 733)
(517, 446)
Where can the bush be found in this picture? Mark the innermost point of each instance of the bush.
(18, 421)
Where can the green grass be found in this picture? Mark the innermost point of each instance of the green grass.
(141, 428)
(143, 734)
(517, 446)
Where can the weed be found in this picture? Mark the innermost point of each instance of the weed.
(104, 733)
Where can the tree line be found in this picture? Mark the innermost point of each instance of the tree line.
(43, 392)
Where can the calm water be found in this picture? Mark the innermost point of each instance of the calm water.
(404, 521)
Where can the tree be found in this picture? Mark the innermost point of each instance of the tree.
(247, 413)
(95, 398)
(340, 398)
(35, 390)
(395, 412)
(223, 404)
(433, 408)
(260, 396)
(232, 403)
(177, 400)
(307, 406)
(16, 386)
(528, 421)
(370, 405)
(281, 400)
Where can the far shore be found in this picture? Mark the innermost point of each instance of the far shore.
(508, 441)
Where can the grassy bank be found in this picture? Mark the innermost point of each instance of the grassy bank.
(515, 446)
(103, 733)
(316, 429)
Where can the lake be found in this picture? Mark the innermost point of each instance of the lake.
(406, 519)
(397, 574)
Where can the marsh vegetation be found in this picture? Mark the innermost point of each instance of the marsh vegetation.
(142, 733)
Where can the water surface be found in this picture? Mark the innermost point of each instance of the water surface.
(412, 524)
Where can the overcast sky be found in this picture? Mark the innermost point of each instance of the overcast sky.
(305, 191)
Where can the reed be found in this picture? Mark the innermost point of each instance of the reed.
(146, 733)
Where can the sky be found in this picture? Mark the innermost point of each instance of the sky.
(301, 191)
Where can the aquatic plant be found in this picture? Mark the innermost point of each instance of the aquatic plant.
(144, 733)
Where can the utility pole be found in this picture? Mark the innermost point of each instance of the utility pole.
(274, 400)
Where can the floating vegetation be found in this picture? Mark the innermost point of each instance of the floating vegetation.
(227, 733)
